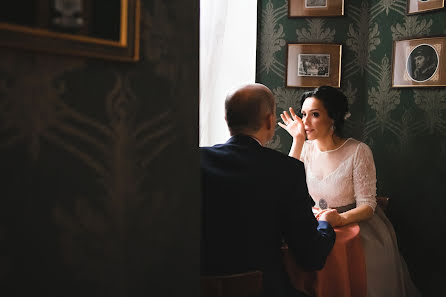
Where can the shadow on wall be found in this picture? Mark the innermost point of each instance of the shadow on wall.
(95, 161)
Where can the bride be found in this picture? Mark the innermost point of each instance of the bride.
(341, 175)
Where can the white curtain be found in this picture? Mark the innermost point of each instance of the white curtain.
(228, 32)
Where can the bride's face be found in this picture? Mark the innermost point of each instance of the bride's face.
(316, 120)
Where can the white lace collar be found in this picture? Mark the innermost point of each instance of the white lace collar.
(333, 150)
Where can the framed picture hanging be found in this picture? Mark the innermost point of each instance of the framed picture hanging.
(419, 62)
(74, 27)
(418, 6)
(315, 8)
(313, 65)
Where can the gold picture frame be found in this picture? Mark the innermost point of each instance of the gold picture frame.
(315, 8)
(420, 6)
(124, 48)
(313, 65)
(419, 62)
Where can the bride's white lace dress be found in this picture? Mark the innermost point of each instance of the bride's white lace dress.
(343, 178)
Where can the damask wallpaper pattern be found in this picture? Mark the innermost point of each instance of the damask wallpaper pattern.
(406, 128)
(99, 163)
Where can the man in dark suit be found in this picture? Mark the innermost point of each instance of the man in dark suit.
(255, 199)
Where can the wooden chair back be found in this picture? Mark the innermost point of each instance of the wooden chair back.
(383, 202)
(248, 284)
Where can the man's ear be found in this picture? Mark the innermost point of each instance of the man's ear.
(269, 121)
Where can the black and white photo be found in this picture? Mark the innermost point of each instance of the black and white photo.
(68, 14)
(317, 65)
(315, 3)
(422, 63)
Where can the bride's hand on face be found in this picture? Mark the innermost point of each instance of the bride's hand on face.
(293, 124)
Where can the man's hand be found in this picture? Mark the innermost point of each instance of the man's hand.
(331, 216)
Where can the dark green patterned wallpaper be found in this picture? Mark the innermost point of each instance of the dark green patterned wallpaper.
(406, 128)
(100, 171)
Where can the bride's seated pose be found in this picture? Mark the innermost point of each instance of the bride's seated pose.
(341, 175)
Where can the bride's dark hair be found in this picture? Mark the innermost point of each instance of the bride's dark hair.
(335, 102)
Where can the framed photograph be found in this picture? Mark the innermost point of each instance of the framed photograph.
(419, 62)
(313, 65)
(418, 6)
(74, 27)
(315, 8)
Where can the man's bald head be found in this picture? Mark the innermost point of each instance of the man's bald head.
(247, 108)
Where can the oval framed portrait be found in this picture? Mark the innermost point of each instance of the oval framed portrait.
(419, 62)
(422, 63)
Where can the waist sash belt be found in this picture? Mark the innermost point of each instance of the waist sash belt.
(345, 208)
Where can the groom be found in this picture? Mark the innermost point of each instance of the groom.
(255, 198)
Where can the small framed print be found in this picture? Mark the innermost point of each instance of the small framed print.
(313, 65)
(419, 62)
(315, 8)
(418, 6)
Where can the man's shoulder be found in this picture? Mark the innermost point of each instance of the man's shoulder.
(206, 148)
(282, 159)
(215, 150)
(263, 154)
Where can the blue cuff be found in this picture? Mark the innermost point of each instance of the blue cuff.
(324, 225)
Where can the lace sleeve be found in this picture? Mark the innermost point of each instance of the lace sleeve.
(364, 177)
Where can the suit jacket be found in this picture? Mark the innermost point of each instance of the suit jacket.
(253, 200)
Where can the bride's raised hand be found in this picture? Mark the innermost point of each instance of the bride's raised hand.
(292, 124)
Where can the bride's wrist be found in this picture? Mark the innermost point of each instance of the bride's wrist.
(299, 139)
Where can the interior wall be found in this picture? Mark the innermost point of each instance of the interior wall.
(99, 165)
(405, 128)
